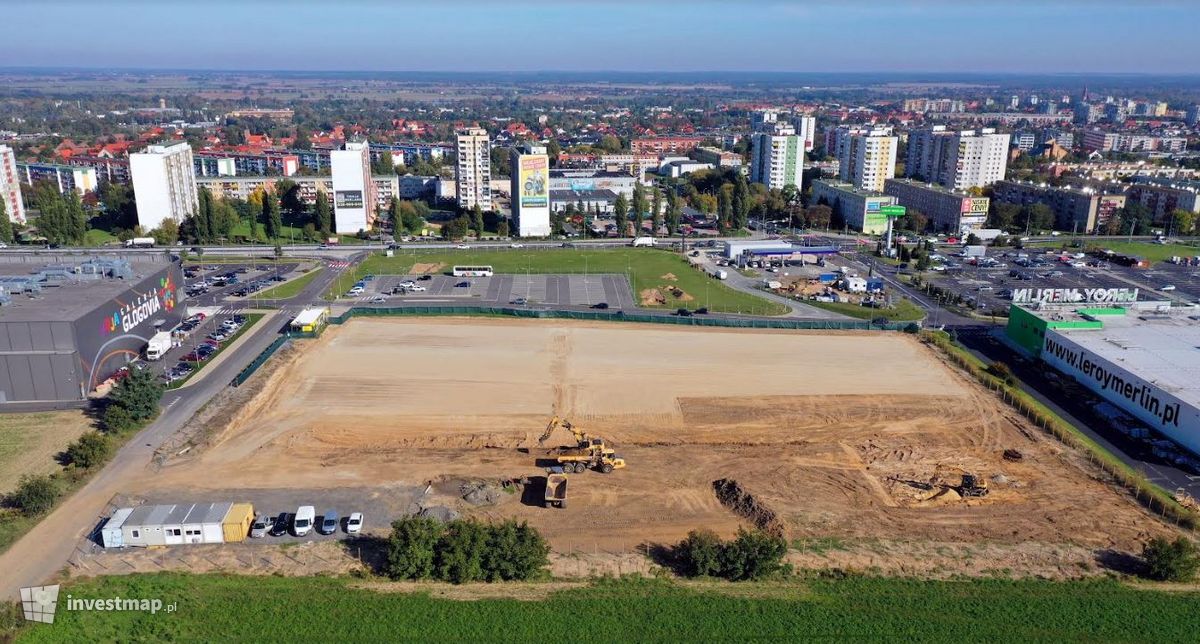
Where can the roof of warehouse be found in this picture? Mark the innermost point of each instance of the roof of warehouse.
(1163, 349)
(67, 301)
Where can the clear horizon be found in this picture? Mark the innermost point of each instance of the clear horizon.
(597, 36)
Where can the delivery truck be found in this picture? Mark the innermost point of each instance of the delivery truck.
(643, 241)
(159, 345)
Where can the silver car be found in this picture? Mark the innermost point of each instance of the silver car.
(262, 526)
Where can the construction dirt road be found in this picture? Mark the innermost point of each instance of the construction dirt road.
(846, 436)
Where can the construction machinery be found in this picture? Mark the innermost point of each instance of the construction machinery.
(556, 488)
(588, 453)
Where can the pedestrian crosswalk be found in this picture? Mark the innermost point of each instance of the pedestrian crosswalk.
(337, 264)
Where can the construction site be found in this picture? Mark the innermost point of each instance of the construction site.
(866, 437)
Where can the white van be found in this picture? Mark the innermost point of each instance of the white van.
(303, 523)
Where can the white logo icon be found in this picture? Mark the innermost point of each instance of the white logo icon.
(39, 603)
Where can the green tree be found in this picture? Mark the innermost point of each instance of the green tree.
(6, 228)
(167, 233)
(1036, 216)
(754, 554)
(610, 143)
(411, 549)
(553, 149)
(656, 213)
(302, 142)
(502, 228)
(1004, 215)
(639, 207)
(724, 209)
(460, 552)
(1171, 560)
(1182, 221)
(456, 228)
(477, 220)
(271, 218)
(819, 216)
(138, 394)
(674, 212)
(621, 215)
(384, 165)
(914, 220)
(742, 203)
(35, 495)
(290, 198)
(514, 551)
(322, 214)
(699, 555)
(90, 450)
(202, 220)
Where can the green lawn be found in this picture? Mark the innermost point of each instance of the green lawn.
(289, 234)
(238, 608)
(1145, 250)
(647, 269)
(288, 289)
(903, 311)
(96, 237)
(251, 320)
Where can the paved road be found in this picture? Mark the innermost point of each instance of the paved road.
(45, 549)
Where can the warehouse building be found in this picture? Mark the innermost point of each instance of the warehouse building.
(861, 210)
(66, 328)
(1142, 357)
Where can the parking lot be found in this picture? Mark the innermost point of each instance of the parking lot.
(500, 290)
(213, 283)
(197, 340)
(988, 288)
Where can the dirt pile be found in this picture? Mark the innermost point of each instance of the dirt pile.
(732, 495)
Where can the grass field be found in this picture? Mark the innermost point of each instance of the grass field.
(1145, 250)
(29, 442)
(646, 269)
(96, 237)
(289, 289)
(904, 311)
(225, 608)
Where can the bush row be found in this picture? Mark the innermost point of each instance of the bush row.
(753, 554)
(464, 550)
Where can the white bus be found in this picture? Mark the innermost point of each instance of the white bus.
(473, 271)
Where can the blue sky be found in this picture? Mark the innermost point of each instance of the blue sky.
(1153, 36)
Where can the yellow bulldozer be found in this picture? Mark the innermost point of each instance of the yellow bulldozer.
(588, 453)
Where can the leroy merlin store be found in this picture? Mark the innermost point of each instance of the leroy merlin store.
(1143, 357)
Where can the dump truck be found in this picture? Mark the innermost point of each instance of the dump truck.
(589, 452)
(556, 488)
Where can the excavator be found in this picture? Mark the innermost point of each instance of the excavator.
(588, 452)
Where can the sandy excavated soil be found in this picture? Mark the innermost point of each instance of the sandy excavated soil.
(830, 431)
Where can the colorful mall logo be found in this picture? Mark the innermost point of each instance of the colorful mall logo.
(145, 305)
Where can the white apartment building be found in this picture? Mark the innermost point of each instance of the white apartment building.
(777, 157)
(473, 169)
(530, 191)
(866, 156)
(806, 129)
(164, 184)
(10, 185)
(958, 160)
(353, 190)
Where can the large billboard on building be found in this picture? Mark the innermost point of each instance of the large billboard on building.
(1074, 295)
(534, 180)
(348, 199)
(1144, 400)
(119, 329)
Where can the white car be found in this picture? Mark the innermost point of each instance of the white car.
(416, 288)
(1168, 287)
(1077, 264)
(357, 290)
(516, 245)
(354, 523)
(407, 284)
(379, 299)
(463, 247)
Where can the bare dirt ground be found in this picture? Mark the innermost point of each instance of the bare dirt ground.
(837, 434)
(29, 443)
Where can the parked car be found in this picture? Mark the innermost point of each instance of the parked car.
(356, 291)
(378, 299)
(1168, 287)
(261, 526)
(600, 305)
(424, 278)
(302, 523)
(329, 522)
(462, 284)
(462, 247)
(281, 524)
(354, 523)
(408, 283)
(520, 301)
(683, 313)
(516, 245)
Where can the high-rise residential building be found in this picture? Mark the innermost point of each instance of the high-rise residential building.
(473, 169)
(530, 191)
(164, 183)
(1024, 141)
(958, 159)
(866, 156)
(777, 157)
(354, 200)
(949, 211)
(1087, 113)
(1193, 115)
(806, 129)
(1014, 102)
(10, 185)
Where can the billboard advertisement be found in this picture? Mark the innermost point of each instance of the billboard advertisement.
(534, 180)
(348, 199)
(975, 205)
(1144, 400)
